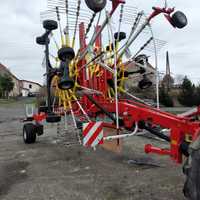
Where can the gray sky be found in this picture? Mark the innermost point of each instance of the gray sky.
(20, 24)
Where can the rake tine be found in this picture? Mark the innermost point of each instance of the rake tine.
(62, 10)
(66, 31)
(129, 7)
(76, 23)
(90, 24)
(130, 13)
(71, 8)
(59, 23)
(120, 22)
(143, 47)
(134, 27)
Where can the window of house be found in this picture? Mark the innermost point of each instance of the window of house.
(30, 86)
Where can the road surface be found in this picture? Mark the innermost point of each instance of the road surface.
(48, 171)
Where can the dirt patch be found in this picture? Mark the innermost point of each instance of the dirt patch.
(11, 174)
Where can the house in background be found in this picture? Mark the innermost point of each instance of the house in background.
(21, 87)
(134, 79)
(29, 88)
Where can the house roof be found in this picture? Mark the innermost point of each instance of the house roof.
(31, 82)
(4, 68)
(133, 64)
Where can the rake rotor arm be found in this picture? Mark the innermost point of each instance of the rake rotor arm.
(143, 125)
(179, 127)
(115, 3)
(157, 11)
(101, 108)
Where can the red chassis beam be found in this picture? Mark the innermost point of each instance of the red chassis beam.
(180, 127)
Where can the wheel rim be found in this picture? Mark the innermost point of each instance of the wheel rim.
(24, 135)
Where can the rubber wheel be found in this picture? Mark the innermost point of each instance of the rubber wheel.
(66, 53)
(43, 109)
(121, 35)
(192, 185)
(53, 118)
(39, 129)
(29, 133)
(96, 5)
(66, 84)
(179, 19)
(50, 25)
(141, 59)
(145, 83)
(40, 40)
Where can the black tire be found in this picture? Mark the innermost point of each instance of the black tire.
(40, 40)
(120, 35)
(39, 129)
(66, 53)
(179, 20)
(29, 133)
(145, 83)
(192, 171)
(141, 59)
(96, 5)
(50, 25)
(53, 118)
(66, 84)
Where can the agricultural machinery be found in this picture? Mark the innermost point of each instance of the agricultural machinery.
(87, 74)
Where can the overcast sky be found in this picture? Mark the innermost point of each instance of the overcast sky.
(20, 24)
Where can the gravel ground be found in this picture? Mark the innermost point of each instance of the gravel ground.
(48, 171)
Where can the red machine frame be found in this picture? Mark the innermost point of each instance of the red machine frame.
(181, 128)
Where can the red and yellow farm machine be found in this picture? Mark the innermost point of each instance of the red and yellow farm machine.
(87, 79)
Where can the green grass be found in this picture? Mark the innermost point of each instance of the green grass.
(7, 101)
(19, 101)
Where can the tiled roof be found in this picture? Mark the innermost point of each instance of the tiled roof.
(4, 68)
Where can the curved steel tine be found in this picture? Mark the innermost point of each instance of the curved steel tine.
(159, 46)
(47, 15)
(64, 1)
(163, 42)
(90, 23)
(126, 9)
(129, 6)
(81, 19)
(47, 12)
(143, 47)
(129, 20)
(44, 16)
(72, 7)
(128, 12)
(73, 13)
(133, 14)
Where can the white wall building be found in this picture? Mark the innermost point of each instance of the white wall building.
(29, 87)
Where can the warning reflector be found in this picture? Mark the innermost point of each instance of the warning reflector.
(92, 134)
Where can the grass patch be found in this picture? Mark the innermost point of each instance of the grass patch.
(17, 101)
(7, 101)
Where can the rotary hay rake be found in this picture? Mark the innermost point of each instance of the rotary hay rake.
(86, 75)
